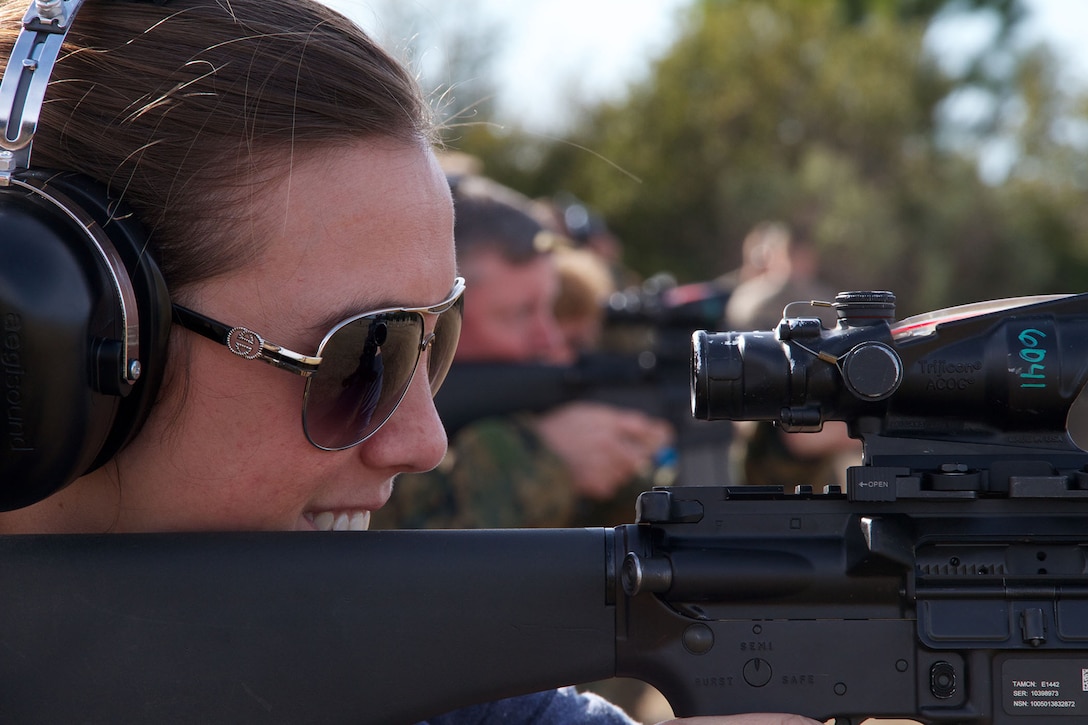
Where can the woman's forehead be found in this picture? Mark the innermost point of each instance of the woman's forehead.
(367, 228)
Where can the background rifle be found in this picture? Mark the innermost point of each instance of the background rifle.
(643, 363)
(947, 583)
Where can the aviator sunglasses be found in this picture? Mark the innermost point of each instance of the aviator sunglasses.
(362, 368)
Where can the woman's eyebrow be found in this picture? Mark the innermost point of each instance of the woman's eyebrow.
(320, 328)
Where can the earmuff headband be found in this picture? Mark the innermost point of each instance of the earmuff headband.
(26, 77)
(22, 92)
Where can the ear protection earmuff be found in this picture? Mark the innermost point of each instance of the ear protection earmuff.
(84, 311)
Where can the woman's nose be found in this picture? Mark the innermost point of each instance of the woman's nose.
(413, 439)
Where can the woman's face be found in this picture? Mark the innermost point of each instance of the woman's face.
(347, 232)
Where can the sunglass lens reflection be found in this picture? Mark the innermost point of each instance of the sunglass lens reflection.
(366, 367)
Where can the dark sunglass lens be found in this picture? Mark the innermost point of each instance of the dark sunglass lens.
(366, 367)
(447, 330)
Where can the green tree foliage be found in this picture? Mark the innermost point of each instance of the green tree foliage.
(830, 116)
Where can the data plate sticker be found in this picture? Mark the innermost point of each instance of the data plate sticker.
(1052, 687)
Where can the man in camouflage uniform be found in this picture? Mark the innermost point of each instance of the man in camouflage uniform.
(559, 468)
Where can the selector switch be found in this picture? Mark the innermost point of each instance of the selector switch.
(757, 672)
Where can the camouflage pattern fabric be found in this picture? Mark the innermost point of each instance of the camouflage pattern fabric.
(499, 474)
(496, 474)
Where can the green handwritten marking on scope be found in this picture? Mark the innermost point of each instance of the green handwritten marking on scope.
(1034, 355)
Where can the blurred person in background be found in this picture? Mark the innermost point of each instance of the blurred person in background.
(787, 272)
(588, 230)
(523, 469)
(585, 285)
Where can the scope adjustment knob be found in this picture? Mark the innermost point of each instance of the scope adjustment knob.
(872, 371)
(866, 307)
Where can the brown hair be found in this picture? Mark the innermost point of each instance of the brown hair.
(490, 217)
(584, 284)
(184, 109)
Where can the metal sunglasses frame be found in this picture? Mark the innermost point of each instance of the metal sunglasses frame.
(250, 345)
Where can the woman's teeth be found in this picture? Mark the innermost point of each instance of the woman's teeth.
(342, 521)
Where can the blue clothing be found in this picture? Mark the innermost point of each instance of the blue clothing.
(565, 706)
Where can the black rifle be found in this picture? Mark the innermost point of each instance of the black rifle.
(948, 582)
(643, 363)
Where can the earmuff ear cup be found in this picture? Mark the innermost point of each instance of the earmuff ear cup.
(63, 409)
(53, 422)
(152, 298)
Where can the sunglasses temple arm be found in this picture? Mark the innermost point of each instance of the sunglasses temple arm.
(198, 323)
(265, 351)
